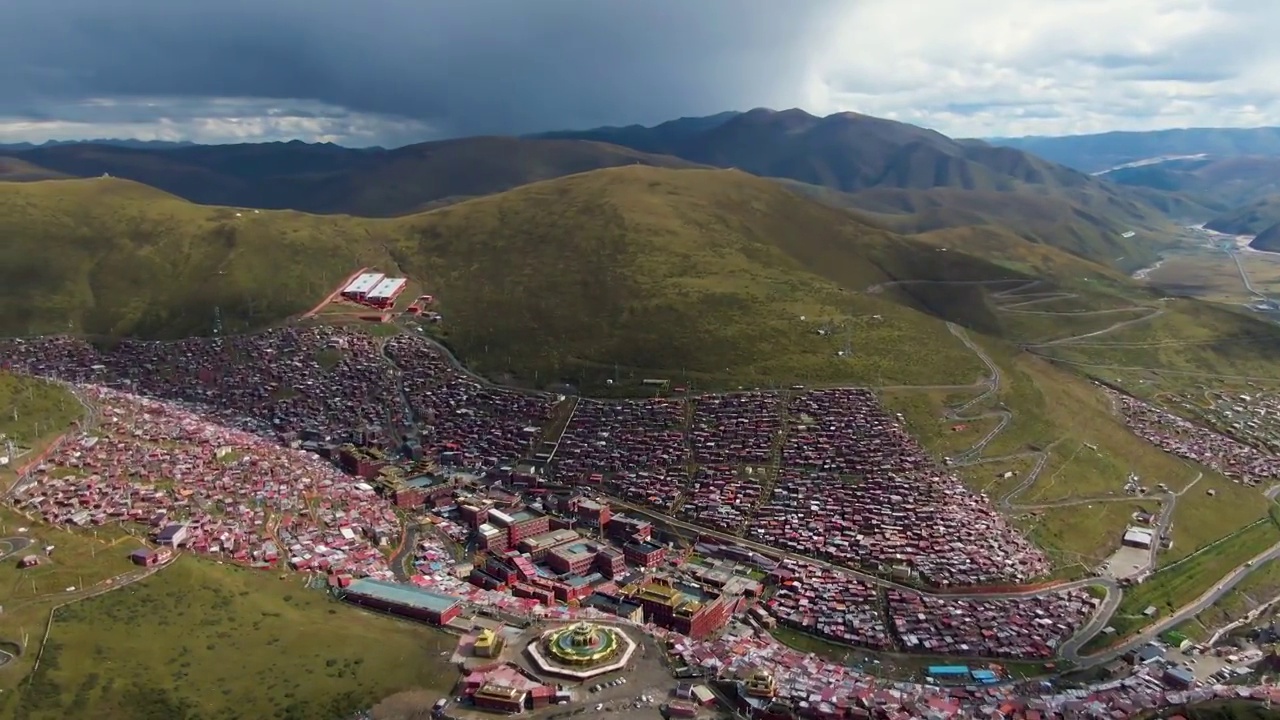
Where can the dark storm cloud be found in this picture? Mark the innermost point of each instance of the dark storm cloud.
(464, 66)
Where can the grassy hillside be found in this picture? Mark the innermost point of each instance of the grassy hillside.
(1042, 218)
(693, 271)
(17, 170)
(33, 409)
(33, 413)
(1189, 341)
(210, 641)
(697, 274)
(111, 257)
(1249, 219)
(922, 179)
(325, 178)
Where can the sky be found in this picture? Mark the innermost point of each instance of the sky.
(392, 72)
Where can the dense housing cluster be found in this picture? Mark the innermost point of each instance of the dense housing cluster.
(829, 603)
(1253, 417)
(210, 488)
(1181, 437)
(723, 497)
(833, 603)
(281, 382)
(851, 485)
(464, 422)
(1030, 627)
(607, 437)
(660, 488)
(893, 506)
(735, 428)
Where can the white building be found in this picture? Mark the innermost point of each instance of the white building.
(361, 286)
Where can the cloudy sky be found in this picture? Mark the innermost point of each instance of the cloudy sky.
(398, 71)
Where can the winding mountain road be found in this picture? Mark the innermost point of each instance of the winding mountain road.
(990, 386)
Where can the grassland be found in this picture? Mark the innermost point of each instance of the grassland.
(209, 641)
(1214, 277)
(691, 274)
(1191, 342)
(111, 257)
(33, 413)
(1090, 454)
(1178, 585)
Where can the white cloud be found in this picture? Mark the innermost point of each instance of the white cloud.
(1018, 67)
(210, 120)
(965, 67)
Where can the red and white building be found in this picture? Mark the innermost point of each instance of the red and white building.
(384, 294)
(359, 288)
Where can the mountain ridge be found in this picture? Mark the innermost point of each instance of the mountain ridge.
(847, 153)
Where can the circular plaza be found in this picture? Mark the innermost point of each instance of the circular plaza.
(581, 650)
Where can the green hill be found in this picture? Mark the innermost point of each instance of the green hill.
(326, 178)
(706, 272)
(889, 167)
(16, 170)
(1042, 218)
(701, 272)
(1250, 219)
(112, 257)
(924, 179)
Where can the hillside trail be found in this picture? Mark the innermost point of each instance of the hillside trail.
(1016, 297)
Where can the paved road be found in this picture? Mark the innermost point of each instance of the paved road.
(407, 546)
(11, 546)
(1208, 598)
(1244, 276)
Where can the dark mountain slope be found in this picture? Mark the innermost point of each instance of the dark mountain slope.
(1249, 219)
(1268, 239)
(854, 154)
(16, 170)
(325, 178)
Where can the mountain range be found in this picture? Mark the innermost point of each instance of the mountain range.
(898, 176)
(117, 142)
(1220, 168)
(1103, 151)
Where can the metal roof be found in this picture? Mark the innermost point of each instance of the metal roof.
(406, 595)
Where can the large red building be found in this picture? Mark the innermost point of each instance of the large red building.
(520, 524)
(572, 558)
(667, 606)
(384, 294)
(645, 555)
(421, 490)
(591, 514)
